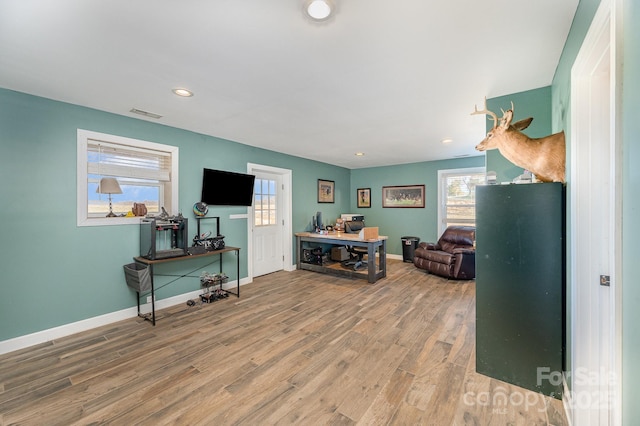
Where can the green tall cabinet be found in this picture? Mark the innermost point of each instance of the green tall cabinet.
(520, 284)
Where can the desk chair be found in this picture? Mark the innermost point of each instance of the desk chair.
(354, 227)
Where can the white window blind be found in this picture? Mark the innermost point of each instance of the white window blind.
(112, 159)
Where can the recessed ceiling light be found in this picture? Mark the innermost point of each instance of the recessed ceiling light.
(359, 154)
(319, 9)
(447, 140)
(183, 92)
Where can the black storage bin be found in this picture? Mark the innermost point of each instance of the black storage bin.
(312, 255)
(409, 246)
(138, 277)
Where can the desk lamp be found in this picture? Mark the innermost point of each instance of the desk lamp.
(109, 186)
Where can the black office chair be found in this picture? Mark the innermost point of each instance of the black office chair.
(354, 227)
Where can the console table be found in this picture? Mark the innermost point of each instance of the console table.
(339, 238)
(150, 264)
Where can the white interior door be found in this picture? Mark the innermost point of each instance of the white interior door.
(595, 232)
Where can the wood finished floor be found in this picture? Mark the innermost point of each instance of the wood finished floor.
(297, 348)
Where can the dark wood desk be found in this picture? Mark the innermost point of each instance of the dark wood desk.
(378, 244)
(151, 263)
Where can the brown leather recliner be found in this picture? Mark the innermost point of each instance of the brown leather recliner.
(453, 256)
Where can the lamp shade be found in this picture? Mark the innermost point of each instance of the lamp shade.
(109, 186)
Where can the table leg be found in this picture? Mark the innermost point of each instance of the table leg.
(383, 258)
(153, 297)
(238, 270)
(371, 262)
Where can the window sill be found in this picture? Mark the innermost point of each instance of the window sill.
(108, 221)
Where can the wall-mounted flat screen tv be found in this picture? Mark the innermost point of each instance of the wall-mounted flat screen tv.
(222, 188)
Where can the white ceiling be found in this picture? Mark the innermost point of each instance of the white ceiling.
(389, 78)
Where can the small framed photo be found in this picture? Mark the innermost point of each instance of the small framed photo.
(326, 191)
(364, 197)
(411, 196)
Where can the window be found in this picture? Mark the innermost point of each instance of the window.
(147, 173)
(457, 196)
(264, 199)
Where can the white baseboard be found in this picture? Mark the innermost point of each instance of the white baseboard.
(50, 334)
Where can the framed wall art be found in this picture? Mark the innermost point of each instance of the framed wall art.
(409, 196)
(326, 191)
(364, 197)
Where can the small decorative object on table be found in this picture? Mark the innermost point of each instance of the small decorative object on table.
(139, 209)
(200, 209)
(208, 242)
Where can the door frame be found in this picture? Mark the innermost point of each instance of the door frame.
(603, 36)
(287, 205)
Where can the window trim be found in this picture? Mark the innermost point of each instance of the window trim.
(441, 199)
(83, 136)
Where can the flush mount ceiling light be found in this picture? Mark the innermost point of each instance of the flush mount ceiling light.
(359, 154)
(447, 140)
(183, 92)
(319, 10)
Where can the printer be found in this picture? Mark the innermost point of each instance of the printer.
(351, 217)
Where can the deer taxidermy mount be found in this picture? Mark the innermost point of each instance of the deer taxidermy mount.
(544, 157)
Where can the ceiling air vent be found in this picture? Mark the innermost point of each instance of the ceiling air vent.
(145, 113)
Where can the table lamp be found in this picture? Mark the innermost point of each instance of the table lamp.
(109, 186)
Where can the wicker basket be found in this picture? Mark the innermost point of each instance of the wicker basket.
(138, 277)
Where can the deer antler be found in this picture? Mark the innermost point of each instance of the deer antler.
(485, 111)
(504, 114)
(503, 111)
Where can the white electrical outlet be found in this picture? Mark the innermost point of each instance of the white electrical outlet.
(149, 299)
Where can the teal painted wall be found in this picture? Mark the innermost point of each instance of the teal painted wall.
(534, 103)
(55, 273)
(399, 222)
(630, 214)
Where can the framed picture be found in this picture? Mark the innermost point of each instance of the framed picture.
(364, 197)
(403, 196)
(326, 191)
